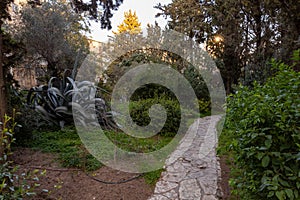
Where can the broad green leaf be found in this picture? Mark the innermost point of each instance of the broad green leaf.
(280, 195)
(298, 185)
(271, 194)
(265, 161)
(268, 143)
(289, 193)
(283, 182)
(260, 155)
(296, 193)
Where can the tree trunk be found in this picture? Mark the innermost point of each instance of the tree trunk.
(3, 99)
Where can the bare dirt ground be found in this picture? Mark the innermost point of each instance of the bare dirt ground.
(225, 172)
(74, 184)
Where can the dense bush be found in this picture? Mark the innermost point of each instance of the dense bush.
(29, 121)
(264, 126)
(204, 106)
(139, 111)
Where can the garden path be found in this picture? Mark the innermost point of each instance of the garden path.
(192, 172)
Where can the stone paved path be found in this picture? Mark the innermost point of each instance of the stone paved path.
(192, 171)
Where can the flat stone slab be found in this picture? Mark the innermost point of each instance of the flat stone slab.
(192, 171)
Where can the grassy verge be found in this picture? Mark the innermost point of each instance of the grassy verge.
(72, 153)
(67, 145)
(139, 145)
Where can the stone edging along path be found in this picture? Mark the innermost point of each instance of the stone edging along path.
(193, 175)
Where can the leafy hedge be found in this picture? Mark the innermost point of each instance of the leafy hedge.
(264, 126)
(204, 107)
(139, 111)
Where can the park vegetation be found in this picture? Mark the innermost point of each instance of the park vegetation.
(255, 45)
(262, 136)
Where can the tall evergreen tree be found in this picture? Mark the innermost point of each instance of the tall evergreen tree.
(187, 16)
(252, 32)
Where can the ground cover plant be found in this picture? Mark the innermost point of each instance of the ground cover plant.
(262, 136)
(71, 153)
(67, 145)
(13, 184)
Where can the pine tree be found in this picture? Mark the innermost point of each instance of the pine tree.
(130, 24)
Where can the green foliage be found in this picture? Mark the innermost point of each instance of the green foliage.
(152, 177)
(52, 32)
(262, 132)
(67, 144)
(13, 52)
(29, 121)
(12, 184)
(140, 145)
(139, 111)
(180, 12)
(71, 153)
(197, 82)
(204, 107)
(135, 58)
(252, 32)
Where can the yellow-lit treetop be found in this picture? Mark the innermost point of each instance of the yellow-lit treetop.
(130, 24)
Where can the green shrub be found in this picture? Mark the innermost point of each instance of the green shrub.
(204, 106)
(30, 121)
(139, 111)
(264, 126)
(13, 185)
